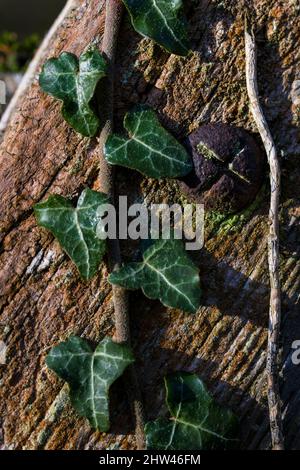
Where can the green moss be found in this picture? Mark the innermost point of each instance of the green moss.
(221, 224)
(146, 47)
(206, 67)
(64, 280)
(43, 437)
(297, 116)
(78, 164)
(207, 152)
(244, 109)
(53, 414)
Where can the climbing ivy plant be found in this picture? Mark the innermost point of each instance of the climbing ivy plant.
(166, 271)
(73, 81)
(161, 20)
(89, 374)
(76, 228)
(196, 421)
(150, 149)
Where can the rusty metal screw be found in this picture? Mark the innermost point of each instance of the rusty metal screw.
(228, 168)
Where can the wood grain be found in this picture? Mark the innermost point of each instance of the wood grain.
(42, 298)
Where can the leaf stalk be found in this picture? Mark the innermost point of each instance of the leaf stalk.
(113, 18)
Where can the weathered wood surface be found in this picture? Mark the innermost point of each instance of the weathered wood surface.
(42, 298)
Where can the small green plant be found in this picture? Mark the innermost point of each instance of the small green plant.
(76, 228)
(90, 373)
(197, 422)
(161, 21)
(15, 53)
(166, 273)
(150, 149)
(73, 81)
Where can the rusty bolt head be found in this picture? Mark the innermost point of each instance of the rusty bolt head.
(228, 168)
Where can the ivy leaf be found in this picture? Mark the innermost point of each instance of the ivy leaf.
(76, 228)
(90, 374)
(197, 421)
(166, 273)
(150, 149)
(162, 21)
(74, 82)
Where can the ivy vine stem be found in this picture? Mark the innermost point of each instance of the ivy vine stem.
(113, 18)
(273, 242)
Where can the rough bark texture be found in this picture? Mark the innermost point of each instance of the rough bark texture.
(43, 300)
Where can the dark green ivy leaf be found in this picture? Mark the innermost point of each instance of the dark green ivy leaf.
(197, 421)
(90, 374)
(74, 82)
(76, 228)
(161, 20)
(166, 273)
(150, 149)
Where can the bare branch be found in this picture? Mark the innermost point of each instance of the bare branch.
(114, 10)
(273, 243)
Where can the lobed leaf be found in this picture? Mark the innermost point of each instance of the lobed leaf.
(76, 228)
(150, 149)
(74, 82)
(90, 374)
(197, 421)
(166, 273)
(161, 20)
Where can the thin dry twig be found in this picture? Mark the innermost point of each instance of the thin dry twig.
(114, 11)
(33, 66)
(273, 243)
